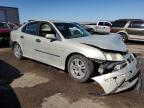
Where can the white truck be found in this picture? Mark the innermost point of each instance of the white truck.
(102, 27)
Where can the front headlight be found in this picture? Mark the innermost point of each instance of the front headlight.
(114, 56)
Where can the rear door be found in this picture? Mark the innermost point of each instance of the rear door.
(27, 38)
(136, 30)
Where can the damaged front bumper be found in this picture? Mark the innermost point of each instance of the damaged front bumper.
(122, 79)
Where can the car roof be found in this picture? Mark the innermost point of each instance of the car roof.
(53, 21)
(130, 20)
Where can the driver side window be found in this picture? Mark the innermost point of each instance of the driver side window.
(46, 29)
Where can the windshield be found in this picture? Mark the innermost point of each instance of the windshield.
(3, 25)
(71, 30)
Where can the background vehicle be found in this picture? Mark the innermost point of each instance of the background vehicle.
(99, 27)
(129, 29)
(5, 29)
(70, 47)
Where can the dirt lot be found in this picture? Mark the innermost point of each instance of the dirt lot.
(30, 84)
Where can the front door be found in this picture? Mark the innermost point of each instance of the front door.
(48, 50)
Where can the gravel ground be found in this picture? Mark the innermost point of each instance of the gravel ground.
(30, 84)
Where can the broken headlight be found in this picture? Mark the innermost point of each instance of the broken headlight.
(114, 56)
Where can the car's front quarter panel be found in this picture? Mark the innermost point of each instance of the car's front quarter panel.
(70, 48)
(121, 79)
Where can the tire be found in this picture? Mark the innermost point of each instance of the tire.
(17, 51)
(92, 31)
(124, 37)
(80, 68)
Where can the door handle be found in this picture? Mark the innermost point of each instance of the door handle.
(38, 40)
(21, 37)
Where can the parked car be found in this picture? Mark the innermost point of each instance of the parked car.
(70, 47)
(13, 26)
(129, 29)
(5, 29)
(99, 27)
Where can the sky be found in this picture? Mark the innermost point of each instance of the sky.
(77, 10)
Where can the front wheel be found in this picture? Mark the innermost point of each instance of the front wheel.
(80, 68)
(17, 51)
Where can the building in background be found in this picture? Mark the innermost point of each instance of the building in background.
(9, 14)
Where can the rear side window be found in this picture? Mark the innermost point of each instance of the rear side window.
(136, 24)
(31, 28)
(119, 23)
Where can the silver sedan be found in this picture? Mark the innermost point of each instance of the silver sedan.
(68, 46)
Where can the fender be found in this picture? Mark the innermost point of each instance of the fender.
(122, 32)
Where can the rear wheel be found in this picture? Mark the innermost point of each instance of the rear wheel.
(17, 51)
(124, 37)
(80, 68)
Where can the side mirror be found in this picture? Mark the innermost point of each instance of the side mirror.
(50, 36)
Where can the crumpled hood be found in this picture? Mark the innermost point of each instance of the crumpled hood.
(107, 42)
